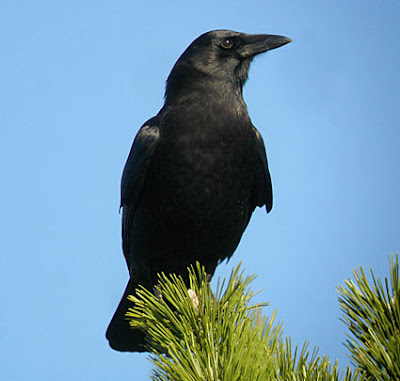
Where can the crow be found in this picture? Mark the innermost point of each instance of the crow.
(195, 173)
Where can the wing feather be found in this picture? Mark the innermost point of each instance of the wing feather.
(262, 186)
(137, 163)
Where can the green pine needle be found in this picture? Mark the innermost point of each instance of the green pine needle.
(197, 335)
(372, 313)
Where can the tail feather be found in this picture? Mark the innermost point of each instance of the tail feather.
(120, 335)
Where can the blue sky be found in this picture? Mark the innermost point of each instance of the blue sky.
(78, 78)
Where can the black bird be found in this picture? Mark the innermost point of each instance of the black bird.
(195, 172)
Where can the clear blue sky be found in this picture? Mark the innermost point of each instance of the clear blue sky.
(77, 79)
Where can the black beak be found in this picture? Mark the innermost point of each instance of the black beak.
(259, 43)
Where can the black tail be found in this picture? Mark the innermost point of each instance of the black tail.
(120, 335)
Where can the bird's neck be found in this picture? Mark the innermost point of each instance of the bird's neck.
(187, 83)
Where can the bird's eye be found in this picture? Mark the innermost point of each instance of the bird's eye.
(227, 43)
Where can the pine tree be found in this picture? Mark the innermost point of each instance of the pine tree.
(195, 334)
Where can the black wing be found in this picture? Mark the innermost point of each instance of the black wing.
(133, 178)
(262, 187)
(119, 333)
(137, 163)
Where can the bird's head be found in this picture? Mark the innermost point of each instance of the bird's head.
(220, 56)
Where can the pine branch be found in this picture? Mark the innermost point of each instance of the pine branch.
(372, 313)
(196, 335)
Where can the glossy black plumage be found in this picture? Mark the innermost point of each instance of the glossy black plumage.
(196, 171)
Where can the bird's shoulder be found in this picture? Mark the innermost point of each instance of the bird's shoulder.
(143, 146)
(149, 131)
